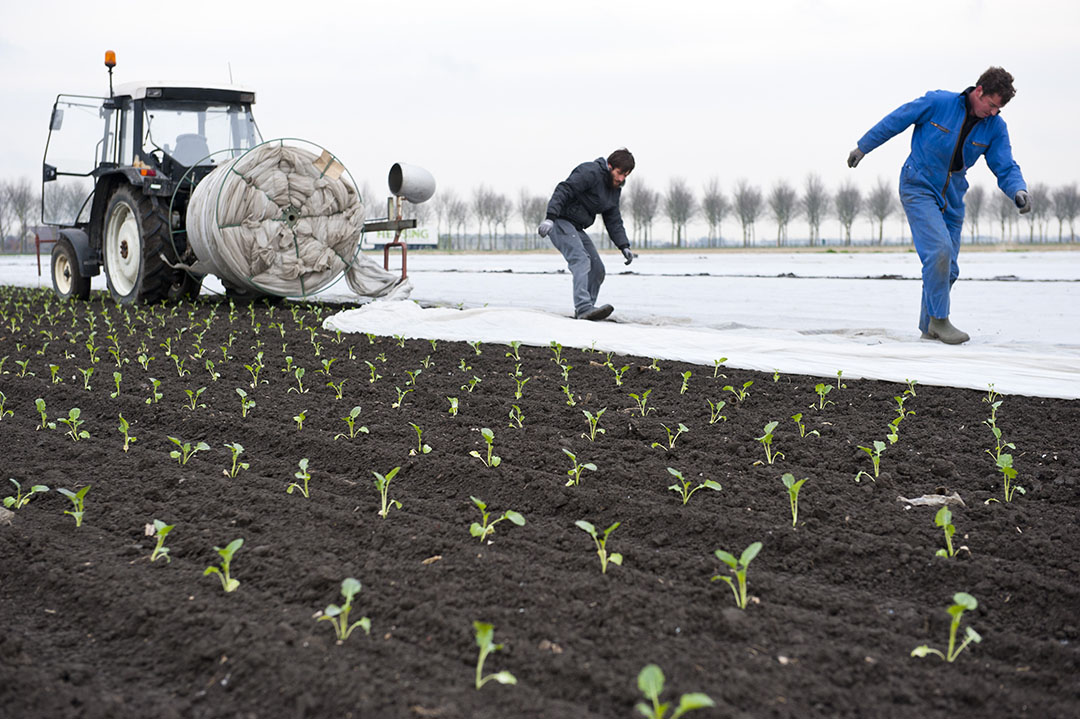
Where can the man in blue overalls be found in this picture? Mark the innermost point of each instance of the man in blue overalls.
(592, 188)
(952, 130)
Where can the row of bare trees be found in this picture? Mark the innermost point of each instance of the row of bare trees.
(489, 220)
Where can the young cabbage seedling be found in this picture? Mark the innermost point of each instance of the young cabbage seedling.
(350, 422)
(839, 374)
(236, 449)
(77, 499)
(991, 394)
(943, 519)
(475, 345)
(793, 488)
(671, 437)
(766, 442)
(619, 372)
(186, 451)
(483, 529)
(4, 412)
(246, 403)
(717, 364)
(193, 398)
(642, 401)
(45, 423)
(302, 475)
(338, 616)
(299, 419)
(802, 427)
(155, 396)
(520, 383)
(1008, 473)
(740, 393)
(714, 411)
(576, 469)
(685, 382)
(471, 384)
(228, 583)
(382, 483)
(86, 377)
(517, 417)
(601, 544)
(875, 457)
(910, 386)
(490, 460)
(116, 379)
(556, 348)
(739, 566)
(124, 429)
(569, 395)
(73, 423)
(593, 422)
(159, 530)
(375, 376)
(682, 488)
(421, 448)
(823, 390)
(298, 373)
(650, 682)
(485, 634)
(20, 500)
(655, 366)
(514, 346)
(453, 406)
(962, 601)
(339, 388)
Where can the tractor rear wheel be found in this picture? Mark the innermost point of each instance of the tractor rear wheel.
(67, 280)
(136, 234)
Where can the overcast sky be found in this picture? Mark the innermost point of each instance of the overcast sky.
(515, 95)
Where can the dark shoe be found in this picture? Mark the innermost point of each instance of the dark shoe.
(943, 330)
(595, 314)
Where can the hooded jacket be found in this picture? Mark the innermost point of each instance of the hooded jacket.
(938, 117)
(586, 193)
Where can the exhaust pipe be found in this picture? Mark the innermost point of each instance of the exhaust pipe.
(413, 183)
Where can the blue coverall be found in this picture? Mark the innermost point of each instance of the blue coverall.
(932, 194)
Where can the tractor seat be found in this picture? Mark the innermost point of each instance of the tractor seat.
(190, 149)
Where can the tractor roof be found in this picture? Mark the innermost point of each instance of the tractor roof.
(185, 91)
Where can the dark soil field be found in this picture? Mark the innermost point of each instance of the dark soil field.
(90, 627)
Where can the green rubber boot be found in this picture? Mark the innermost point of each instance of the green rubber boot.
(943, 330)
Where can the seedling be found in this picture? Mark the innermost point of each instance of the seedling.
(116, 380)
(77, 499)
(485, 634)
(338, 616)
(601, 544)
(650, 682)
(20, 500)
(566, 372)
(569, 395)
(186, 451)
(682, 487)
(910, 386)
(714, 411)
(901, 413)
(1004, 464)
(823, 390)
(124, 429)
(642, 401)
(471, 384)
(962, 601)
(23, 371)
(73, 423)
(740, 393)
(839, 374)
(943, 519)
(421, 448)
(413, 374)
(303, 476)
(155, 396)
(453, 406)
(655, 366)
(193, 398)
(991, 394)
(766, 440)
(339, 388)
(556, 348)
(576, 469)
(4, 412)
(514, 346)
(246, 403)
(739, 566)
(776, 376)
(45, 423)
(517, 417)
(618, 373)
(145, 361)
(228, 583)
(426, 363)
(793, 488)
(159, 531)
(520, 384)
(593, 422)
(481, 530)
(490, 460)
(717, 364)
(382, 483)
(802, 427)
(374, 376)
(236, 449)
(299, 373)
(892, 432)
(671, 437)
(475, 345)
(350, 422)
(685, 382)
(875, 457)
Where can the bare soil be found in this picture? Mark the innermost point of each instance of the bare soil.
(89, 627)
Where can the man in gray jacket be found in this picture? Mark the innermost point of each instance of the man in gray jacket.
(592, 188)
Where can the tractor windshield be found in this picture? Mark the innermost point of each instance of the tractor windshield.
(190, 132)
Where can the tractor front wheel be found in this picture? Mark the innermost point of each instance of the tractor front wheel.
(67, 280)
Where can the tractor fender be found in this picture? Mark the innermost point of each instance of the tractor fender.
(89, 258)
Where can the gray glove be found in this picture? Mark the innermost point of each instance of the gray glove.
(545, 228)
(1023, 201)
(627, 254)
(854, 156)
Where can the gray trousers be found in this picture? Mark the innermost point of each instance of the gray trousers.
(582, 260)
